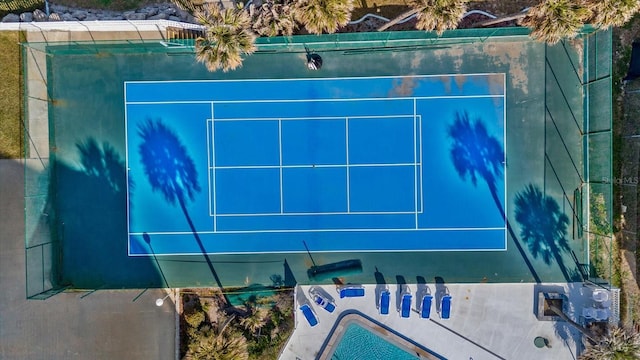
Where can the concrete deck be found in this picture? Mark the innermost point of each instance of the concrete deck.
(488, 321)
(78, 325)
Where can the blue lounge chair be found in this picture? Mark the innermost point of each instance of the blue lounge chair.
(309, 315)
(351, 291)
(406, 306)
(425, 309)
(324, 303)
(385, 299)
(445, 307)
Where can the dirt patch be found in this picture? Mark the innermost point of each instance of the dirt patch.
(502, 7)
(548, 303)
(403, 87)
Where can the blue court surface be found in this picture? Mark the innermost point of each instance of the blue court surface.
(341, 164)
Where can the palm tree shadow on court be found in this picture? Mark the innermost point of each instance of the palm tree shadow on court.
(171, 171)
(543, 226)
(476, 154)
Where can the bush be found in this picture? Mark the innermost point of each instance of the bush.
(195, 319)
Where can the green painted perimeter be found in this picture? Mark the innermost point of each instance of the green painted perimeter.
(86, 85)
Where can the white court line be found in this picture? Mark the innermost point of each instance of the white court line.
(347, 166)
(421, 170)
(280, 154)
(415, 166)
(126, 164)
(346, 131)
(310, 79)
(320, 251)
(311, 166)
(310, 100)
(313, 118)
(213, 164)
(504, 144)
(317, 213)
(209, 167)
(317, 231)
(316, 118)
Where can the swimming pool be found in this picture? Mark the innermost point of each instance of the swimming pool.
(357, 336)
(360, 343)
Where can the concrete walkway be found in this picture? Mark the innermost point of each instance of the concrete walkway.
(123, 324)
(101, 325)
(488, 321)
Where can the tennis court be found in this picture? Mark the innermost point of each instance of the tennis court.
(341, 164)
(404, 153)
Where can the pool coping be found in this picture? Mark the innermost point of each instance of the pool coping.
(354, 316)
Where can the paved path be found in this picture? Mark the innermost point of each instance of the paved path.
(488, 321)
(101, 325)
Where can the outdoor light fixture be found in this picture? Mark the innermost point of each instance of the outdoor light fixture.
(160, 301)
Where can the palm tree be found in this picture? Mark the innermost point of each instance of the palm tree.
(543, 226)
(272, 18)
(438, 15)
(215, 343)
(608, 13)
(171, 171)
(194, 318)
(553, 20)
(228, 37)
(320, 16)
(255, 320)
(476, 154)
(619, 344)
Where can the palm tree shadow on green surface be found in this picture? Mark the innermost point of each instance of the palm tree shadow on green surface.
(88, 204)
(102, 162)
(542, 226)
(478, 155)
(171, 171)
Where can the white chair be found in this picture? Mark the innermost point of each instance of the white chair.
(606, 304)
(602, 314)
(600, 295)
(589, 313)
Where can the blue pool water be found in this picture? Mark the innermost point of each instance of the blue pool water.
(359, 343)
